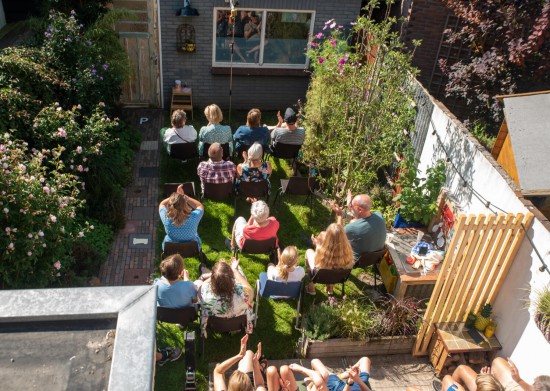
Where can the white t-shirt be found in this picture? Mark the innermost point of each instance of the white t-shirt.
(187, 134)
(296, 275)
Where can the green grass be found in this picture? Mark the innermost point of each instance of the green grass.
(275, 327)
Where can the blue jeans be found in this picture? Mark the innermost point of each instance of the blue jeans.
(334, 383)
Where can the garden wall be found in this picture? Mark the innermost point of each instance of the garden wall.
(487, 181)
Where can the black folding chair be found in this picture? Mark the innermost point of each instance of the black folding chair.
(330, 276)
(373, 259)
(181, 316)
(296, 185)
(185, 249)
(285, 151)
(225, 147)
(277, 290)
(188, 189)
(223, 325)
(250, 246)
(258, 189)
(218, 191)
(184, 151)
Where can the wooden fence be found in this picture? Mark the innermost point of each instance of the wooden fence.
(478, 258)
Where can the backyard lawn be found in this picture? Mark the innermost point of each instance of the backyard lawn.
(275, 327)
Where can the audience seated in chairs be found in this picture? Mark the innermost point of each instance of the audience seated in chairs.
(181, 216)
(332, 251)
(174, 288)
(287, 132)
(224, 292)
(252, 132)
(216, 170)
(253, 169)
(260, 226)
(179, 132)
(287, 269)
(367, 230)
(214, 132)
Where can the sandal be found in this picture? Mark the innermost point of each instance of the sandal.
(312, 293)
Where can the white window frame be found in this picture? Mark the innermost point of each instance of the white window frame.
(264, 11)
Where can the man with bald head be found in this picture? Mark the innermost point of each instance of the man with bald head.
(366, 232)
(216, 170)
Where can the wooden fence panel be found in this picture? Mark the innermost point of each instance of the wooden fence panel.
(478, 259)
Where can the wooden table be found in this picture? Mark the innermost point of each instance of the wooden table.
(453, 337)
(411, 282)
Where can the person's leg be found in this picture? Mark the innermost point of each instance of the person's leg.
(448, 384)
(318, 366)
(310, 265)
(465, 376)
(501, 371)
(288, 378)
(273, 379)
(237, 233)
(246, 365)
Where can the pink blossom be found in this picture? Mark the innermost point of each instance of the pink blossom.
(53, 219)
(101, 104)
(29, 253)
(91, 227)
(6, 210)
(319, 35)
(79, 149)
(29, 236)
(81, 234)
(11, 246)
(321, 60)
(84, 159)
(8, 230)
(46, 190)
(57, 265)
(86, 169)
(333, 42)
(332, 25)
(61, 133)
(40, 233)
(80, 168)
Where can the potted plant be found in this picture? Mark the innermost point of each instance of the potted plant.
(418, 196)
(542, 311)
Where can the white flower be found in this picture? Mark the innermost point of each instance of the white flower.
(53, 219)
(79, 149)
(6, 210)
(29, 236)
(40, 233)
(29, 253)
(91, 227)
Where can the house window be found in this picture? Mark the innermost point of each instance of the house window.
(263, 38)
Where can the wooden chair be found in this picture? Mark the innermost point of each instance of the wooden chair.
(184, 151)
(182, 99)
(277, 290)
(188, 189)
(218, 191)
(185, 249)
(330, 276)
(223, 325)
(181, 316)
(295, 185)
(371, 258)
(250, 246)
(225, 147)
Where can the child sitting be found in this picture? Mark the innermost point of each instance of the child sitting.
(286, 269)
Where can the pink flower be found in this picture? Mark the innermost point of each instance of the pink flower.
(319, 35)
(101, 104)
(8, 230)
(80, 168)
(321, 60)
(61, 133)
(29, 236)
(29, 253)
(342, 61)
(333, 42)
(53, 219)
(40, 233)
(81, 234)
(11, 246)
(46, 190)
(332, 25)
(79, 149)
(57, 265)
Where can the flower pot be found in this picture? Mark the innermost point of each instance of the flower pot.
(370, 347)
(400, 222)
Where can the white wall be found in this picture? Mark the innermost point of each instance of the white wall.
(2, 15)
(521, 339)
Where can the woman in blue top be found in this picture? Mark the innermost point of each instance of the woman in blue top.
(174, 288)
(181, 216)
(252, 132)
(214, 132)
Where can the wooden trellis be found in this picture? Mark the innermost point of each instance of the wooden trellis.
(478, 258)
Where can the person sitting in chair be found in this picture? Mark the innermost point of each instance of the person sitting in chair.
(174, 288)
(216, 170)
(367, 231)
(253, 169)
(260, 226)
(252, 132)
(287, 132)
(287, 269)
(179, 132)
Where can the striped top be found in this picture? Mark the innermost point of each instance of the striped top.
(283, 135)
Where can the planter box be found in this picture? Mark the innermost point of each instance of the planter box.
(346, 347)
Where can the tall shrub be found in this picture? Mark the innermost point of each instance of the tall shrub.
(358, 103)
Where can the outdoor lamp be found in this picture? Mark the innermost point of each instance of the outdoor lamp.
(187, 10)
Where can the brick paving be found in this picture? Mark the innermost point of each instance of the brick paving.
(132, 256)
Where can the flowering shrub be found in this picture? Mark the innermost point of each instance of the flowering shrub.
(358, 103)
(38, 203)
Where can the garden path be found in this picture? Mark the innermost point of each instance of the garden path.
(132, 256)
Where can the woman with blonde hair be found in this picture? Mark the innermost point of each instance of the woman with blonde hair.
(252, 132)
(181, 216)
(332, 251)
(214, 132)
(287, 269)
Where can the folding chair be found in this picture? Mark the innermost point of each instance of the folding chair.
(296, 185)
(181, 316)
(223, 325)
(218, 191)
(277, 290)
(188, 189)
(256, 189)
(330, 276)
(185, 249)
(225, 147)
(371, 258)
(250, 246)
(184, 151)
(285, 151)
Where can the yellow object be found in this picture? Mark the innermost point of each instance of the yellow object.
(389, 278)
(490, 329)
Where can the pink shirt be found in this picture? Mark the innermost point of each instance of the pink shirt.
(261, 233)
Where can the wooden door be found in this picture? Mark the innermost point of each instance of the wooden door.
(139, 37)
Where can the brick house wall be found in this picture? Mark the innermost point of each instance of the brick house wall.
(263, 91)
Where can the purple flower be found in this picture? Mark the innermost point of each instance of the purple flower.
(105, 66)
(100, 77)
(89, 43)
(47, 35)
(321, 60)
(333, 42)
(319, 36)
(342, 61)
(69, 39)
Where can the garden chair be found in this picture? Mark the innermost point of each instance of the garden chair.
(179, 316)
(185, 249)
(188, 189)
(330, 276)
(184, 151)
(218, 191)
(284, 151)
(267, 246)
(277, 290)
(301, 186)
(222, 325)
(225, 147)
(371, 258)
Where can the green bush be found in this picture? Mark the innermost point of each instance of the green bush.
(91, 250)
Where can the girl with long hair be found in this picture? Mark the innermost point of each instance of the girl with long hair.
(287, 269)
